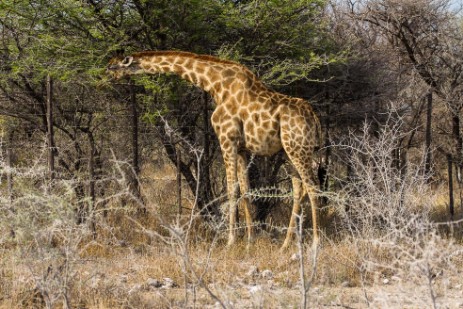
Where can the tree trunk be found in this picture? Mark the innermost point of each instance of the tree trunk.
(451, 200)
(81, 208)
(428, 136)
(179, 183)
(172, 154)
(134, 184)
(50, 135)
(322, 172)
(204, 192)
(9, 166)
(91, 171)
(458, 144)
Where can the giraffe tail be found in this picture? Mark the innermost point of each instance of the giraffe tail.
(321, 165)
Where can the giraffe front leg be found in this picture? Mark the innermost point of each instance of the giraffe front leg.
(243, 180)
(230, 160)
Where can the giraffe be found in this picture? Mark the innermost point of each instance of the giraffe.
(248, 117)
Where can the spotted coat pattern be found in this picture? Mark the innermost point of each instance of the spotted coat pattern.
(247, 116)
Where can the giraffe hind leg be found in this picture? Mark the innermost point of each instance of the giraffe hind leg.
(305, 184)
(297, 198)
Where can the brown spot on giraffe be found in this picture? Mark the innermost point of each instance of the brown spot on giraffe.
(249, 126)
(227, 83)
(239, 96)
(261, 131)
(200, 69)
(232, 109)
(228, 74)
(262, 120)
(244, 113)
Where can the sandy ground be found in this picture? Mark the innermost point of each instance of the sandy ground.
(271, 295)
(145, 281)
(265, 289)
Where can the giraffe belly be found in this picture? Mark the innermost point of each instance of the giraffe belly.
(263, 144)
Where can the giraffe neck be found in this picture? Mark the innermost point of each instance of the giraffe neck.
(204, 71)
(222, 79)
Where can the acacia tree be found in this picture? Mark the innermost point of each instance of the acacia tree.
(242, 31)
(73, 40)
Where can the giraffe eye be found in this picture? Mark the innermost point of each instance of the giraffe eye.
(127, 61)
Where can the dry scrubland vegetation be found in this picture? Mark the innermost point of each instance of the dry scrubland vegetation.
(385, 78)
(386, 244)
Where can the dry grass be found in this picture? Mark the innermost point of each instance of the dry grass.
(114, 271)
(111, 276)
(134, 248)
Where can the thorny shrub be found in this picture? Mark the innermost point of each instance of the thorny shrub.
(386, 212)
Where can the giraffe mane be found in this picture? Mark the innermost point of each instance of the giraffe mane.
(185, 54)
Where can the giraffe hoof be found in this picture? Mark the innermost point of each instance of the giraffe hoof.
(231, 242)
(315, 243)
(248, 246)
(284, 247)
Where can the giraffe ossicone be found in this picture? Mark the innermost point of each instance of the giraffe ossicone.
(248, 116)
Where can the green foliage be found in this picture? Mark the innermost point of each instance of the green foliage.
(283, 42)
(282, 28)
(66, 39)
(72, 40)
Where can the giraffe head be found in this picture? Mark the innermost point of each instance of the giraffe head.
(119, 66)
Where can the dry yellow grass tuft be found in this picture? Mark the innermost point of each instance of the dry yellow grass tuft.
(153, 258)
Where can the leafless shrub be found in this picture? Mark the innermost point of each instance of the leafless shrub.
(44, 238)
(380, 196)
(386, 214)
(42, 226)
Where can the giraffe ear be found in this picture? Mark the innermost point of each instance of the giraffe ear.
(127, 61)
(119, 52)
